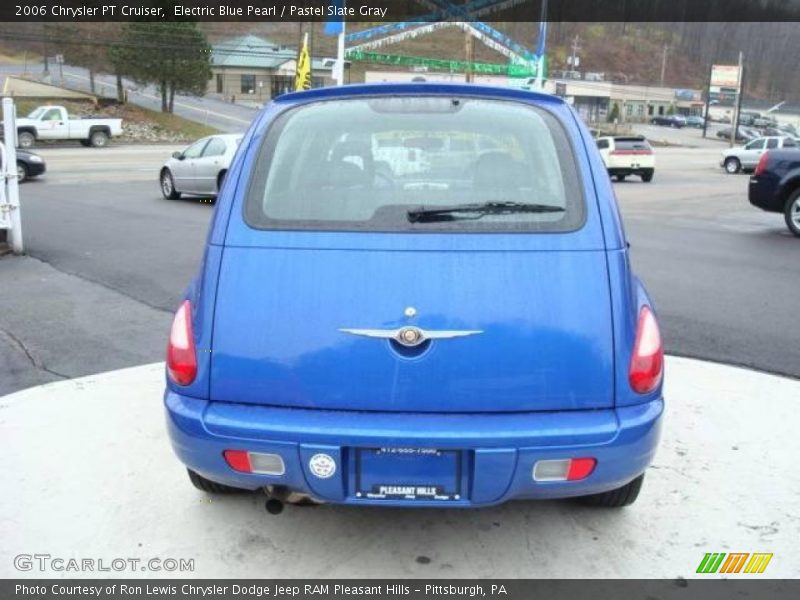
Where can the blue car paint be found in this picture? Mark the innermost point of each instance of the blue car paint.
(222, 410)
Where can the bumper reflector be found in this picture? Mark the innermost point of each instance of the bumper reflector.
(564, 469)
(255, 462)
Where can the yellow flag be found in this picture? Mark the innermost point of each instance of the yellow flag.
(303, 78)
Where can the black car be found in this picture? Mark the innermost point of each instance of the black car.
(29, 164)
(669, 121)
(775, 186)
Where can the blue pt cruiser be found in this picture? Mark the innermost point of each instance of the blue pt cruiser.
(416, 295)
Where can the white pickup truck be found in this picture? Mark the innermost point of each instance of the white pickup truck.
(53, 123)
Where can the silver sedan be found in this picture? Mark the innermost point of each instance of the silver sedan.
(200, 168)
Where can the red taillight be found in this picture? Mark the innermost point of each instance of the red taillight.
(762, 164)
(563, 469)
(647, 362)
(238, 460)
(580, 468)
(181, 356)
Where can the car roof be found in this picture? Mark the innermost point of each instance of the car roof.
(418, 88)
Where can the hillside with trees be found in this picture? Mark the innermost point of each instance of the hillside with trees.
(624, 52)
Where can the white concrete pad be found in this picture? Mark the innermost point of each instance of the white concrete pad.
(87, 472)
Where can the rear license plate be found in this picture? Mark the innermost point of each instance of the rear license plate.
(408, 474)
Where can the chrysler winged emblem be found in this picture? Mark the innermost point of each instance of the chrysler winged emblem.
(411, 336)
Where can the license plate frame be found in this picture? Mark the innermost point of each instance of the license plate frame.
(408, 474)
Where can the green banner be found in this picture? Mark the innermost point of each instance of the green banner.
(450, 66)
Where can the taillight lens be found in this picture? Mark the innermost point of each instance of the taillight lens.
(647, 362)
(563, 469)
(181, 355)
(762, 164)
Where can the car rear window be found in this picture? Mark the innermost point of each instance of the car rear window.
(363, 164)
(622, 143)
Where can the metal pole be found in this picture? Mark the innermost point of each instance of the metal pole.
(541, 46)
(708, 101)
(10, 174)
(338, 75)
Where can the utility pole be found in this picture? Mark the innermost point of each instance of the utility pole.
(469, 53)
(45, 36)
(739, 89)
(663, 64)
(576, 47)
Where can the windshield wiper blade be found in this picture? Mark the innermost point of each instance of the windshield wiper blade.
(476, 211)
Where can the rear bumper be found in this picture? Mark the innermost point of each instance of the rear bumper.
(762, 194)
(630, 170)
(498, 450)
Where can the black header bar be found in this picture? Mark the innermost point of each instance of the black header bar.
(383, 11)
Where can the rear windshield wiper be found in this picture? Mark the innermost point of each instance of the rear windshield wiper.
(476, 211)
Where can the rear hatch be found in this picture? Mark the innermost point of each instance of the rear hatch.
(323, 261)
(633, 152)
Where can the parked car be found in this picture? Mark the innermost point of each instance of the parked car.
(200, 168)
(788, 129)
(775, 185)
(669, 120)
(29, 165)
(627, 155)
(695, 122)
(745, 158)
(743, 134)
(54, 123)
(358, 315)
(771, 132)
(749, 118)
(764, 122)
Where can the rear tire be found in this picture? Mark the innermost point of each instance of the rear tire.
(620, 178)
(732, 165)
(624, 496)
(212, 487)
(647, 176)
(22, 172)
(792, 212)
(98, 139)
(168, 186)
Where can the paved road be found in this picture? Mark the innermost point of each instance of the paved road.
(725, 277)
(227, 117)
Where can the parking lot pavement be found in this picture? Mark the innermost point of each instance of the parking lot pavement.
(88, 473)
(55, 325)
(72, 163)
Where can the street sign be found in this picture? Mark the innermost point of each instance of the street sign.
(725, 76)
